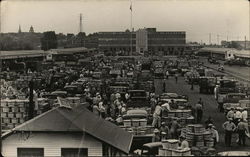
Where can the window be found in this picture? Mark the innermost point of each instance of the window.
(30, 152)
(74, 152)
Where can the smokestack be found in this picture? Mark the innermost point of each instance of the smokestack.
(31, 102)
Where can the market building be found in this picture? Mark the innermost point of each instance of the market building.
(144, 40)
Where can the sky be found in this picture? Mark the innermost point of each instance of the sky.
(224, 19)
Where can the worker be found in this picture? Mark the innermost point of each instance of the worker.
(176, 78)
(157, 116)
(164, 86)
(164, 130)
(199, 112)
(242, 129)
(156, 136)
(175, 126)
(244, 114)
(230, 114)
(208, 121)
(214, 132)
(216, 91)
(229, 128)
(237, 116)
(183, 142)
(167, 74)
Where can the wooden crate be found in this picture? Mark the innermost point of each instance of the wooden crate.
(4, 114)
(19, 115)
(21, 109)
(11, 115)
(5, 109)
(14, 121)
(6, 120)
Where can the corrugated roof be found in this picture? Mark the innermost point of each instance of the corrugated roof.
(79, 119)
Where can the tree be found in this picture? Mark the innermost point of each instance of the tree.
(49, 40)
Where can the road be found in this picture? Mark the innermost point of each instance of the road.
(210, 107)
(242, 73)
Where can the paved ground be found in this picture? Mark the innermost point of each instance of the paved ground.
(210, 107)
(237, 71)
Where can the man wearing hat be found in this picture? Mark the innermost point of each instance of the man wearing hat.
(229, 128)
(230, 114)
(156, 137)
(242, 129)
(215, 134)
(184, 142)
(244, 114)
(237, 115)
(164, 130)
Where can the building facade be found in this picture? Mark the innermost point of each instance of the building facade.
(143, 40)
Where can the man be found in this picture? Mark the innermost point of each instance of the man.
(176, 78)
(156, 136)
(164, 130)
(157, 116)
(214, 132)
(241, 129)
(199, 112)
(229, 128)
(230, 114)
(244, 114)
(175, 126)
(216, 91)
(237, 115)
(167, 74)
(184, 143)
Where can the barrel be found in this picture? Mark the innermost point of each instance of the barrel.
(171, 114)
(168, 152)
(207, 135)
(190, 128)
(186, 113)
(179, 113)
(199, 128)
(209, 143)
(199, 143)
(173, 143)
(165, 144)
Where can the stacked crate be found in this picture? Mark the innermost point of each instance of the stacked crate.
(184, 116)
(196, 135)
(170, 148)
(13, 112)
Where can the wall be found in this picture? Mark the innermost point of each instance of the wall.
(51, 142)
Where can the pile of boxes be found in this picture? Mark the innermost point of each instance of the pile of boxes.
(197, 135)
(14, 112)
(170, 148)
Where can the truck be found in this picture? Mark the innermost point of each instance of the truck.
(138, 99)
(207, 84)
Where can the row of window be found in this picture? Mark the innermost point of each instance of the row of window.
(39, 152)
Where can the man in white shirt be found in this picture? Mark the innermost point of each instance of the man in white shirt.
(244, 114)
(157, 116)
(237, 116)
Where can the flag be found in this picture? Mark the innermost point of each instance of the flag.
(130, 7)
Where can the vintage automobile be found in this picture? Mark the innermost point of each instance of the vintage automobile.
(207, 84)
(151, 149)
(138, 98)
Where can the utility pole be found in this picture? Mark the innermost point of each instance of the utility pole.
(245, 42)
(209, 38)
(80, 27)
(131, 44)
(218, 40)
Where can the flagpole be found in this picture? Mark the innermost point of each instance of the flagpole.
(131, 40)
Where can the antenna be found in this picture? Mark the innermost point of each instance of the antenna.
(209, 38)
(80, 23)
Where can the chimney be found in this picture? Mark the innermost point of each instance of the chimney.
(31, 102)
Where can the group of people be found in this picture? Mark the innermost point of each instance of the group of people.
(236, 123)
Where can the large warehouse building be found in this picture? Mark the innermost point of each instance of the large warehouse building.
(143, 40)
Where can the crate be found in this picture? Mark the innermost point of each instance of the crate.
(21, 120)
(10, 126)
(15, 109)
(4, 114)
(14, 120)
(5, 109)
(19, 115)
(6, 120)
(11, 115)
(21, 109)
